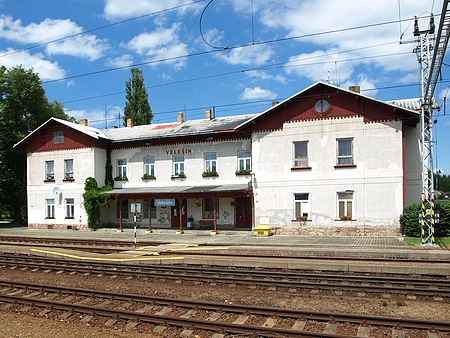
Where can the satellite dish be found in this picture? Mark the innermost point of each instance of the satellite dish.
(56, 191)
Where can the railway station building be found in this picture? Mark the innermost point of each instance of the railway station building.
(325, 161)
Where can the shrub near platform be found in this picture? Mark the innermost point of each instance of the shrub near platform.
(409, 220)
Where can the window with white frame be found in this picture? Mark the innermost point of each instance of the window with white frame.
(178, 165)
(58, 137)
(68, 169)
(211, 162)
(301, 154)
(345, 205)
(70, 207)
(244, 161)
(122, 168)
(49, 170)
(301, 206)
(208, 208)
(345, 151)
(50, 208)
(149, 166)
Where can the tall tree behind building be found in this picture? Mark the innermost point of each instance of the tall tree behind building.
(137, 107)
(23, 107)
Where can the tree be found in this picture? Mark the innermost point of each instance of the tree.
(23, 107)
(137, 107)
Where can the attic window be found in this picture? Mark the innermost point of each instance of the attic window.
(58, 137)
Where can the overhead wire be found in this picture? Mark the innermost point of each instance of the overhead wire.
(220, 49)
(100, 28)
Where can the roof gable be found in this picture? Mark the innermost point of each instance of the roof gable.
(309, 104)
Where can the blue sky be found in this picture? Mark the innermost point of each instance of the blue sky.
(247, 54)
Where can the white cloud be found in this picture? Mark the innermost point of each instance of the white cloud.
(119, 9)
(121, 61)
(257, 93)
(161, 44)
(84, 46)
(259, 74)
(252, 55)
(319, 66)
(47, 70)
(96, 117)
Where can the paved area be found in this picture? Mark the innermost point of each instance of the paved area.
(225, 237)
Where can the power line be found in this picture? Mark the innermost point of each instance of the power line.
(101, 27)
(227, 48)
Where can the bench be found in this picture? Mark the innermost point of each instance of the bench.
(206, 224)
(262, 230)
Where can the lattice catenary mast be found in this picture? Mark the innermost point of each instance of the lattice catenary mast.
(430, 69)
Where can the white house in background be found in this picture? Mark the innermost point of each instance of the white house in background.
(325, 161)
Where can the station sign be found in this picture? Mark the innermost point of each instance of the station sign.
(164, 202)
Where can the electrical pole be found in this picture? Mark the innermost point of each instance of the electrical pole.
(423, 52)
(430, 68)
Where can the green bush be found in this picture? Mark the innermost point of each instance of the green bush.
(411, 227)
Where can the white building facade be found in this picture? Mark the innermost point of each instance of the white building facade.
(326, 161)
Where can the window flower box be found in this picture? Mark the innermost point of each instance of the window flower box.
(345, 218)
(121, 178)
(180, 175)
(68, 179)
(243, 172)
(302, 218)
(210, 173)
(148, 177)
(49, 180)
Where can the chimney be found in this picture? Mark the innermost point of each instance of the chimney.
(180, 117)
(208, 114)
(129, 123)
(355, 89)
(274, 103)
(83, 122)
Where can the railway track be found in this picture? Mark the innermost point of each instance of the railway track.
(366, 285)
(186, 317)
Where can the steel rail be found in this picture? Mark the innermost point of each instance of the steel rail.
(203, 305)
(427, 287)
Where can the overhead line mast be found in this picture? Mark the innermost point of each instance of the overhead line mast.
(430, 69)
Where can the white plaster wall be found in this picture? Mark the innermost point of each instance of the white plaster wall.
(194, 164)
(85, 162)
(227, 164)
(376, 180)
(413, 171)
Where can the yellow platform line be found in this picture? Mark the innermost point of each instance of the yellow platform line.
(140, 258)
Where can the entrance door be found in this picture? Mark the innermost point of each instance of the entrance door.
(175, 214)
(243, 211)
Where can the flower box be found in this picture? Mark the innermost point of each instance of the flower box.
(121, 178)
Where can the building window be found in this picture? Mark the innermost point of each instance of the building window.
(121, 168)
(211, 162)
(345, 205)
(345, 151)
(50, 208)
(70, 207)
(152, 209)
(301, 154)
(149, 166)
(301, 206)
(208, 208)
(178, 165)
(124, 207)
(49, 170)
(244, 161)
(68, 169)
(58, 137)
